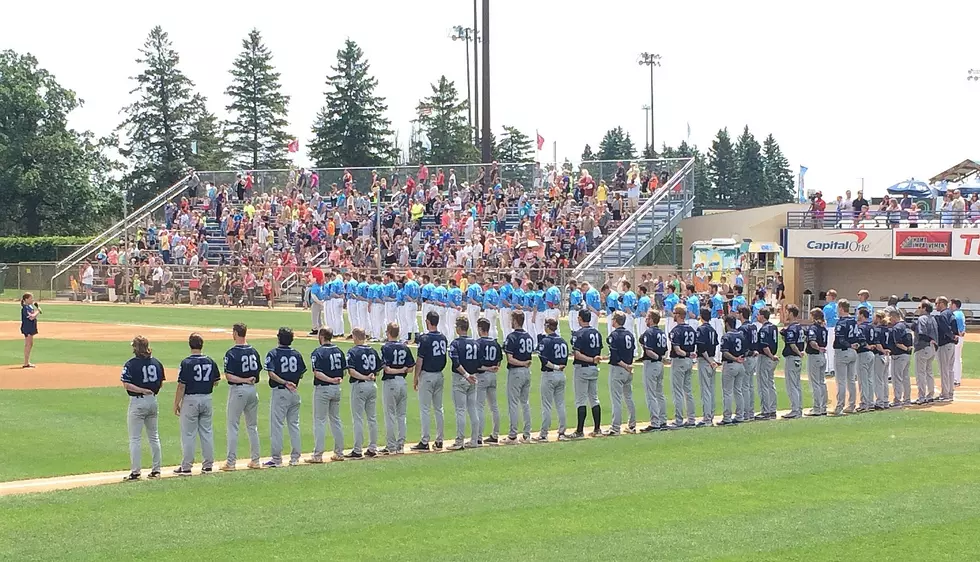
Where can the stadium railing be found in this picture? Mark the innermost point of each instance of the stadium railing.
(830, 219)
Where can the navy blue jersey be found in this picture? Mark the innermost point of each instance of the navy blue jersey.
(946, 323)
(433, 347)
(655, 340)
(793, 334)
(846, 333)
(329, 360)
(491, 354)
(552, 349)
(879, 337)
(28, 325)
(243, 361)
(287, 363)
(396, 355)
(769, 338)
(144, 373)
(588, 342)
(519, 345)
(751, 332)
(866, 331)
(622, 346)
(735, 343)
(198, 374)
(465, 351)
(900, 334)
(364, 359)
(706, 340)
(684, 337)
(816, 333)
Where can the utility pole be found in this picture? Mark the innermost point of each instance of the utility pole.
(651, 60)
(485, 137)
(476, 78)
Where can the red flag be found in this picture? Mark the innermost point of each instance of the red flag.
(293, 146)
(540, 140)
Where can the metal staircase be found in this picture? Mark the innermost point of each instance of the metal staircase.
(636, 236)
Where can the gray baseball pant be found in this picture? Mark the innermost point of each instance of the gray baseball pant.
(751, 366)
(430, 399)
(794, 388)
(901, 381)
(518, 398)
(316, 314)
(946, 355)
(706, 378)
(680, 385)
(741, 390)
(881, 366)
(394, 394)
(552, 396)
(326, 406)
(586, 386)
(243, 399)
(653, 384)
(464, 401)
(767, 385)
(923, 372)
(865, 369)
(620, 389)
(486, 392)
(731, 395)
(143, 412)
(284, 408)
(845, 376)
(816, 365)
(195, 421)
(364, 405)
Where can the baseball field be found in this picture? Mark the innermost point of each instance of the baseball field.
(900, 484)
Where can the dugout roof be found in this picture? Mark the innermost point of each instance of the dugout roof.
(957, 173)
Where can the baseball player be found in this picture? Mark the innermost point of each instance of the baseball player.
(671, 300)
(398, 361)
(926, 347)
(816, 356)
(552, 300)
(142, 377)
(379, 308)
(540, 313)
(863, 296)
(192, 403)
(491, 306)
(506, 305)
(440, 302)
(847, 338)
(390, 295)
(948, 340)
(465, 357)
(491, 354)
(350, 295)
(425, 294)
(865, 360)
(518, 347)
(751, 362)
(243, 368)
(706, 346)
(693, 304)
(768, 345)
(454, 306)
(683, 340)
(900, 350)
(587, 350)
(336, 305)
(429, 381)
(879, 349)
(717, 315)
(329, 364)
(286, 367)
(960, 329)
(474, 300)
(629, 305)
(655, 347)
(643, 305)
(317, 291)
(734, 346)
(409, 322)
(593, 304)
(830, 317)
(363, 363)
(553, 354)
(794, 342)
(622, 349)
(611, 300)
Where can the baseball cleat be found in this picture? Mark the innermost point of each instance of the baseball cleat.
(370, 454)
(539, 439)
(562, 437)
(420, 447)
(131, 477)
(182, 472)
(790, 416)
(30, 366)
(760, 417)
(336, 458)
(576, 435)
(471, 445)
(314, 460)
(700, 423)
(206, 470)
(491, 439)
(648, 429)
(631, 429)
(437, 446)
(353, 455)
(597, 433)
(724, 422)
(385, 451)
(271, 464)
(154, 475)
(228, 468)
(254, 465)
(456, 447)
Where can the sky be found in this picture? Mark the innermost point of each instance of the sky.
(853, 92)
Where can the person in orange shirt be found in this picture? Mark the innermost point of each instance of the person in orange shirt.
(654, 183)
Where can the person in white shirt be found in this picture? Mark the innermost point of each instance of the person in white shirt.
(88, 280)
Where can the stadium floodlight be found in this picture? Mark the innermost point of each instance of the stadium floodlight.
(973, 75)
(652, 60)
(467, 34)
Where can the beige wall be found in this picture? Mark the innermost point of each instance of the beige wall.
(760, 224)
(955, 279)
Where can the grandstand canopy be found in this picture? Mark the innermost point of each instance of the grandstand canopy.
(957, 173)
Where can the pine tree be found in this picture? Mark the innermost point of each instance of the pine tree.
(721, 171)
(442, 116)
(611, 146)
(256, 130)
(351, 128)
(208, 138)
(587, 155)
(778, 177)
(627, 149)
(158, 123)
(649, 153)
(750, 182)
(515, 146)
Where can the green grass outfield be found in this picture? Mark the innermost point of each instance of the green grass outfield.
(898, 485)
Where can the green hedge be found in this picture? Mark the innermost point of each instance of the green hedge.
(15, 249)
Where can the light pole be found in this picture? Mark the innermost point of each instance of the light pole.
(485, 121)
(651, 60)
(476, 76)
(646, 124)
(466, 34)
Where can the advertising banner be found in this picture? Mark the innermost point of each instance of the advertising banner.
(958, 244)
(827, 243)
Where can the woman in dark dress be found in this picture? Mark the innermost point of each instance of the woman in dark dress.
(28, 325)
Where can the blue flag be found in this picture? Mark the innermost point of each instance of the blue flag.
(801, 194)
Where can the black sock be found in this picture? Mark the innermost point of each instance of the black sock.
(597, 416)
(581, 419)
